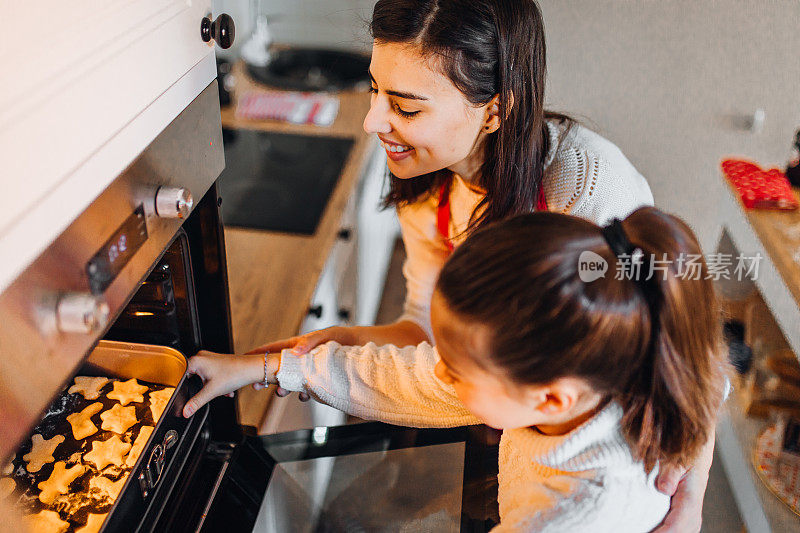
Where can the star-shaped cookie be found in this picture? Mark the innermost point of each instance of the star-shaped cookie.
(107, 452)
(118, 419)
(81, 423)
(159, 400)
(93, 523)
(138, 445)
(58, 482)
(46, 521)
(41, 452)
(128, 391)
(88, 386)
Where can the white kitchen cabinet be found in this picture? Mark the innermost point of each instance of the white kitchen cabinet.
(90, 85)
(377, 231)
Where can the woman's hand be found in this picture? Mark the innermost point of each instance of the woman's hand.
(687, 489)
(225, 373)
(303, 344)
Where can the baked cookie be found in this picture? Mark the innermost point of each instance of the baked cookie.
(106, 486)
(118, 419)
(88, 386)
(159, 400)
(7, 486)
(138, 445)
(8, 469)
(107, 452)
(81, 423)
(41, 452)
(93, 523)
(46, 521)
(128, 391)
(58, 482)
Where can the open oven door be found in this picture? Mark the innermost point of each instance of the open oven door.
(362, 477)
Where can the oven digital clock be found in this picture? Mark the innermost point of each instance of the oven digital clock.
(112, 257)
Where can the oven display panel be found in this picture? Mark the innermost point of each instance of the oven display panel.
(109, 261)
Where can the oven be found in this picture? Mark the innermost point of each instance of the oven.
(134, 286)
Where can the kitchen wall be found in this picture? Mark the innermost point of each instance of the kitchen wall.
(672, 83)
(341, 24)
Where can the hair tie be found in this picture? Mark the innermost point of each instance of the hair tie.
(617, 239)
(621, 245)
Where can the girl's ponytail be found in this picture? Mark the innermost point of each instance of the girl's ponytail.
(652, 345)
(671, 402)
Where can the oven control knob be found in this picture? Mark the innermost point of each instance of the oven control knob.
(81, 313)
(173, 202)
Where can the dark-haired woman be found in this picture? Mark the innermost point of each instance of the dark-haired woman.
(458, 105)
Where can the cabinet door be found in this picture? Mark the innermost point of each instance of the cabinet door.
(79, 73)
(377, 230)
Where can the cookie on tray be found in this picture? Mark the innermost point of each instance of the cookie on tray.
(7, 486)
(118, 419)
(41, 452)
(106, 486)
(138, 445)
(88, 386)
(48, 521)
(82, 425)
(128, 391)
(93, 523)
(59, 481)
(159, 400)
(107, 452)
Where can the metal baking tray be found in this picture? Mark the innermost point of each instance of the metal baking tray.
(158, 367)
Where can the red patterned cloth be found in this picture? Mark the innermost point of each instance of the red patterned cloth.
(759, 188)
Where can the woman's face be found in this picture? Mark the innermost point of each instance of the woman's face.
(489, 396)
(423, 121)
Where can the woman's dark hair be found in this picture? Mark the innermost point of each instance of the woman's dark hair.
(485, 48)
(547, 323)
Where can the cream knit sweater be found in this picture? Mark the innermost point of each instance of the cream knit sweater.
(586, 480)
(585, 175)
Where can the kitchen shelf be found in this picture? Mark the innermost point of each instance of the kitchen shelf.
(778, 280)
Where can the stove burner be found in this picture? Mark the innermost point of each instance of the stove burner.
(277, 181)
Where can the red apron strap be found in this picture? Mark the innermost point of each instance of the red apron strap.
(541, 201)
(443, 213)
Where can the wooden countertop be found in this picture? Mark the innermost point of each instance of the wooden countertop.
(272, 276)
(779, 233)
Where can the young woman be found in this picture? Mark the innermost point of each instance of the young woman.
(595, 383)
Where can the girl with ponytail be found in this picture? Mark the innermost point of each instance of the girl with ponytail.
(598, 381)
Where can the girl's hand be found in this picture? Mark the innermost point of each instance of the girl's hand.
(223, 374)
(687, 489)
(303, 344)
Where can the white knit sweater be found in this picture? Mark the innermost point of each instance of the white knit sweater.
(585, 175)
(586, 480)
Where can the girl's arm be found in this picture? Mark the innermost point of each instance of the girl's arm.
(387, 383)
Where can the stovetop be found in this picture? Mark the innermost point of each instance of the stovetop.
(277, 181)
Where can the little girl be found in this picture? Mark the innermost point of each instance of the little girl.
(595, 383)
